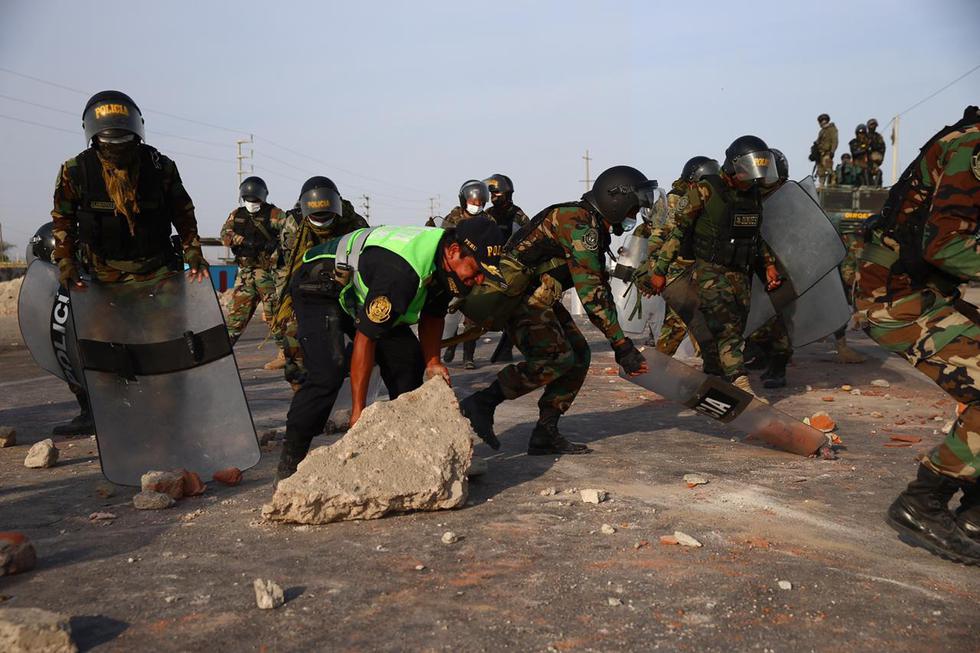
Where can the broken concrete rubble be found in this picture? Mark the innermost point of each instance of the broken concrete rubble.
(150, 500)
(411, 453)
(8, 436)
(592, 495)
(32, 630)
(268, 595)
(170, 483)
(16, 554)
(42, 454)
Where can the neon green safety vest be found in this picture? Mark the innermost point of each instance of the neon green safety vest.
(418, 246)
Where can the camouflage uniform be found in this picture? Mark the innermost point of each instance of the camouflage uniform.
(847, 174)
(723, 292)
(454, 217)
(295, 238)
(674, 330)
(911, 306)
(256, 279)
(571, 241)
(826, 147)
(69, 251)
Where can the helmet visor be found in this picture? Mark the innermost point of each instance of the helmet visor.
(114, 136)
(656, 215)
(476, 194)
(648, 193)
(756, 166)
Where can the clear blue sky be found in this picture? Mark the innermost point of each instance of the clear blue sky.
(403, 101)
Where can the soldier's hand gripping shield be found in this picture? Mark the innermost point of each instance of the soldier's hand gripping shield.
(45, 319)
(807, 250)
(725, 403)
(162, 379)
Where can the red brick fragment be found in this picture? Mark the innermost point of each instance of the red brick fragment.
(668, 539)
(913, 439)
(193, 485)
(230, 476)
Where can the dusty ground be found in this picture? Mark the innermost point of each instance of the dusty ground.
(532, 572)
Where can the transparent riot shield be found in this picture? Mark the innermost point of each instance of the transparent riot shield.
(809, 184)
(681, 295)
(162, 379)
(344, 400)
(632, 255)
(629, 306)
(725, 403)
(815, 314)
(801, 236)
(45, 319)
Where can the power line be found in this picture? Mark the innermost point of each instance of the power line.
(38, 124)
(935, 93)
(40, 106)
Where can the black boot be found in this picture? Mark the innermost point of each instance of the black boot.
(479, 407)
(81, 424)
(775, 376)
(921, 517)
(755, 358)
(968, 514)
(547, 441)
(450, 354)
(292, 455)
(469, 348)
(504, 353)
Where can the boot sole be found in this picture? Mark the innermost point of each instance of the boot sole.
(915, 539)
(553, 452)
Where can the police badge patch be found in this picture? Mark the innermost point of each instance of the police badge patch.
(379, 310)
(975, 162)
(591, 239)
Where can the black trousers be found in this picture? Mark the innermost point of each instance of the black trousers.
(323, 331)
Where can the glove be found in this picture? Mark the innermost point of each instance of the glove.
(628, 356)
(68, 273)
(195, 260)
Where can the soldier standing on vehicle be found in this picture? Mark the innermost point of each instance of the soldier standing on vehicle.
(876, 153)
(823, 149)
(859, 147)
(918, 252)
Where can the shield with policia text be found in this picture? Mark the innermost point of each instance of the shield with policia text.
(162, 380)
(45, 320)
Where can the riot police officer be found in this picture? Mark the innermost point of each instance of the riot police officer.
(252, 233)
(504, 212)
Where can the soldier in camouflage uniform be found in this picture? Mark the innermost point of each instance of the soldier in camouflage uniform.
(473, 197)
(300, 232)
(252, 233)
(560, 248)
(847, 174)
(722, 214)
(851, 234)
(681, 257)
(823, 149)
(876, 154)
(917, 254)
(114, 205)
(859, 147)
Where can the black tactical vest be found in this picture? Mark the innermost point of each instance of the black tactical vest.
(104, 231)
(504, 217)
(256, 230)
(728, 230)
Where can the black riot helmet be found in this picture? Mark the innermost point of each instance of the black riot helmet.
(42, 244)
(113, 115)
(699, 166)
(320, 201)
(861, 129)
(498, 183)
(748, 159)
(872, 124)
(782, 164)
(822, 118)
(253, 187)
(474, 189)
(619, 192)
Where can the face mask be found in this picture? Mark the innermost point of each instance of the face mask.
(452, 282)
(119, 154)
(473, 209)
(321, 228)
(252, 207)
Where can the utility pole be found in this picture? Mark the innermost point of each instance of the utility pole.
(242, 157)
(366, 205)
(895, 149)
(432, 207)
(3, 251)
(588, 177)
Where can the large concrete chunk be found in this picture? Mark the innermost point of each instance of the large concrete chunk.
(408, 454)
(32, 630)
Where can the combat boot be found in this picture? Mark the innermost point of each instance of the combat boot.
(479, 408)
(81, 424)
(968, 514)
(547, 441)
(921, 517)
(469, 349)
(276, 363)
(290, 458)
(755, 358)
(844, 352)
(775, 376)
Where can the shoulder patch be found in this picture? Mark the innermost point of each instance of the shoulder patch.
(591, 239)
(379, 310)
(975, 162)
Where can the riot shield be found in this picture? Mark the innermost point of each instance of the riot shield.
(801, 236)
(810, 186)
(629, 306)
(162, 379)
(681, 295)
(724, 402)
(45, 319)
(634, 252)
(344, 400)
(815, 314)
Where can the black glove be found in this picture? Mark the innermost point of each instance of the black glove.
(628, 356)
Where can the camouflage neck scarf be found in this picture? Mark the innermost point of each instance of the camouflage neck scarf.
(121, 176)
